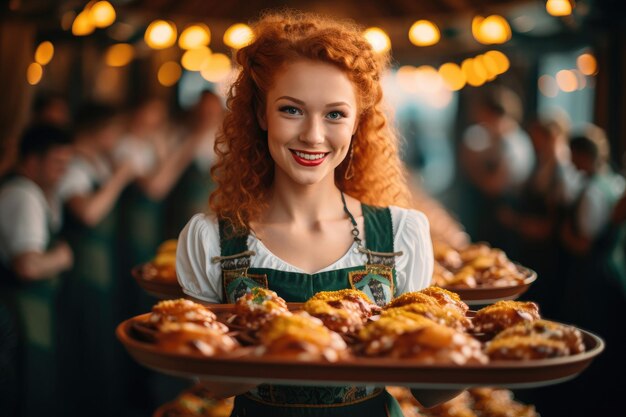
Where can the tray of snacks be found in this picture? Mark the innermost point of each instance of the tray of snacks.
(425, 339)
(480, 274)
(158, 277)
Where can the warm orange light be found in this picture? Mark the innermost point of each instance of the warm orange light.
(547, 86)
(119, 55)
(217, 68)
(160, 34)
(83, 25)
(169, 73)
(488, 64)
(195, 59)
(559, 7)
(428, 80)
(567, 81)
(587, 64)
(378, 39)
(195, 36)
(102, 14)
(493, 29)
(452, 76)
(501, 61)
(424, 33)
(238, 35)
(44, 52)
(475, 74)
(34, 73)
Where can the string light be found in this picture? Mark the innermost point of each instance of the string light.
(424, 33)
(559, 8)
(34, 72)
(169, 73)
(44, 52)
(195, 36)
(102, 14)
(378, 39)
(160, 34)
(238, 35)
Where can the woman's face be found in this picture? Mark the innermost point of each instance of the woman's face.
(310, 117)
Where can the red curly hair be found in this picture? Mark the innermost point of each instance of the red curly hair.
(245, 170)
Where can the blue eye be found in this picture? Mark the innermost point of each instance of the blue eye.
(336, 115)
(294, 111)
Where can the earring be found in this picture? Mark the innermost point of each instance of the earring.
(349, 170)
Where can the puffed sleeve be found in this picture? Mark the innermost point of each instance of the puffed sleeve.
(414, 269)
(197, 244)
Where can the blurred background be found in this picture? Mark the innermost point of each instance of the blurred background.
(513, 119)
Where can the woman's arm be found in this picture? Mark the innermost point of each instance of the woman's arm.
(429, 398)
(35, 266)
(92, 208)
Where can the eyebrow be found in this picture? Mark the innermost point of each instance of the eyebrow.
(302, 103)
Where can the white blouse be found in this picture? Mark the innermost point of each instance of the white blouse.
(199, 241)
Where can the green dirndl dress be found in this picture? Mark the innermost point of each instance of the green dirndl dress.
(28, 342)
(91, 357)
(376, 278)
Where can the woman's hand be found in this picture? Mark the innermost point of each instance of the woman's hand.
(429, 398)
(222, 389)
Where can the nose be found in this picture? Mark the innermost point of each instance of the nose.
(313, 131)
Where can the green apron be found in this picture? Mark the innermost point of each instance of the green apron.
(190, 196)
(90, 355)
(28, 353)
(376, 279)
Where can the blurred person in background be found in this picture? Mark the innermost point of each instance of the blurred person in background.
(89, 298)
(191, 193)
(31, 258)
(592, 293)
(535, 218)
(51, 108)
(159, 160)
(496, 157)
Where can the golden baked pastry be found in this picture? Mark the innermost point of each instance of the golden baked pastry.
(525, 347)
(342, 298)
(183, 311)
(536, 340)
(447, 316)
(378, 336)
(437, 344)
(190, 338)
(415, 297)
(490, 402)
(446, 298)
(196, 401)
(163, 266)
(339, 315)
(301, 336)
(257, 306)
(493, 319)
(446, 255)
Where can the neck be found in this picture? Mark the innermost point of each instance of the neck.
(303, 204)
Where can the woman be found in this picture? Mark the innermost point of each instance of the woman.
(309, 194)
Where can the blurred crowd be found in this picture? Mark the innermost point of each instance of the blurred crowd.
(548, 195)
(92, 196)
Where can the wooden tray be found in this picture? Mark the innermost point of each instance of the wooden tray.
(241, 366)
(159, 289)
(490, 295)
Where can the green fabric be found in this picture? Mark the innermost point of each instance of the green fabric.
(299, 287)
(190, 196)
(90, 356)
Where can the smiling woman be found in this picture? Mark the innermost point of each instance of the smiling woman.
(310, 195)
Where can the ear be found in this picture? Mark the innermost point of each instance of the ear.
(261, 118)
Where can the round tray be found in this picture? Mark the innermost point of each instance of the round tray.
(490, 295)
(156, 288)
(241, 367)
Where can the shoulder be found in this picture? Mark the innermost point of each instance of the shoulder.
(201, 226)
(20, 191)
(408, 221)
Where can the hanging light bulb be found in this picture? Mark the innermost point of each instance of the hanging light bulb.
(160, 34)
(238, 35)
(195, 36)
(119, 55)
(44, 52)
(217, 68)
(587, 64)
(378, 39)
(82, 25)
(559, 8)
(424, 33)
(34, 73)
(169, 73)
(102, 14)
(493, 29)
(452, 76)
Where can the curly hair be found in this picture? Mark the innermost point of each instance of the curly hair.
(245, 170)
